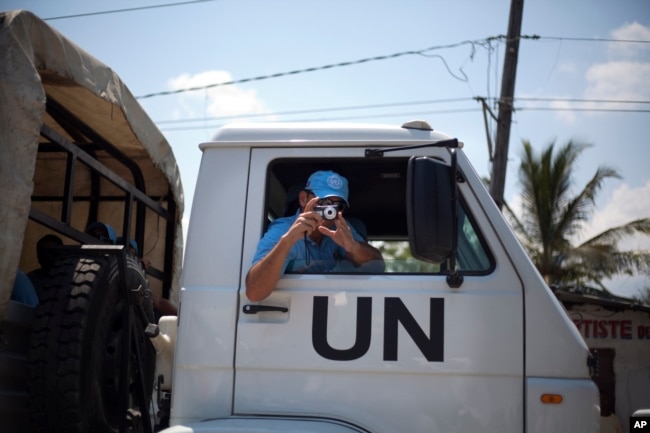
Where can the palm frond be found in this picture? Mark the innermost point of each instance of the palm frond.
(517, 225)
(580, 208)
(614, 234)
(551, 215)
(633, 262)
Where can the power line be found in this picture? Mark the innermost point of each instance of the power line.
(608, 110)
(115, 11)
(330, 66)
(333, 119)
(532, 37)
(373, 116)
(562, 38)
(397, 114)
(316, 110)
(600, 101)
(486, 42)
(410, 103)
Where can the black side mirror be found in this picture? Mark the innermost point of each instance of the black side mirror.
(431, 212)
(429, 209)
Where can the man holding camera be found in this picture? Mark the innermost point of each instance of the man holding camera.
(316, 239)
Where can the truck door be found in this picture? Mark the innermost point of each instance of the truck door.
(397, 350)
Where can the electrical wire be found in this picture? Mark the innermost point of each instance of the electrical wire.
(422, 52)
(603, 101)
(115, 11)
(404, 104)
(317, 110)
(335, 119)
(485, 42)
(397, 114)
(562, 38)
(533, 37)
(605, 110)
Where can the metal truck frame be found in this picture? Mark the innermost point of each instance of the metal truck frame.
(77, 148)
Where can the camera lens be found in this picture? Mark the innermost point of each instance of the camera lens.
(329, 213)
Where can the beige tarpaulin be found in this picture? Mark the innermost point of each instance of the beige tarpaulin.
(37, 62)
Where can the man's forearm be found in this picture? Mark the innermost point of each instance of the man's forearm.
(265, 274)
(362, 253)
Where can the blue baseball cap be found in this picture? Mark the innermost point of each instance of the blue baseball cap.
(132, 243)
(105, 229)
(328, 184)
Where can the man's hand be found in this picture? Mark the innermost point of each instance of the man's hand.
(306, 223)
(357, 252)
(342, 234)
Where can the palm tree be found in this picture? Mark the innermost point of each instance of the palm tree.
(644, 296)
(551, 217)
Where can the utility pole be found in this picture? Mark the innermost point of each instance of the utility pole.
(498, 178)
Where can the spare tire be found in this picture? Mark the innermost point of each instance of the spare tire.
(77, 345)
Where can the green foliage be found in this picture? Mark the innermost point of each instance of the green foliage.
(551, 217)
(398, 258)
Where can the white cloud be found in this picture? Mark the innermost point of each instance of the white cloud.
(219, 101)
(626, 204)
(619, 81)
(625, 75)
(630, 50)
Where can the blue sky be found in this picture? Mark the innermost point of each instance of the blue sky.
(197, 44)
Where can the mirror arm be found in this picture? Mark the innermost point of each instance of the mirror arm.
(452, 143)
(454, 278)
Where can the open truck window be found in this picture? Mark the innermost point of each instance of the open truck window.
(377, 210)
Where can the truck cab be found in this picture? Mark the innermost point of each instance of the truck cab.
(456, 331)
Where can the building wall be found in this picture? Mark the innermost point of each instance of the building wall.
(628, 334)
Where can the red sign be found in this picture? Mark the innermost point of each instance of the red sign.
(610, 328)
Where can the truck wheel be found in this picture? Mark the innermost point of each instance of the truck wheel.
(77, 345)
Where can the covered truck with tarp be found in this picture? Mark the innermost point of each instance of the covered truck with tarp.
(76, 149)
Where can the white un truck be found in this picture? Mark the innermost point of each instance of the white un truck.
(454, 332)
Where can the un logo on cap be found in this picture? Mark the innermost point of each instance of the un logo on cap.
(334, 182)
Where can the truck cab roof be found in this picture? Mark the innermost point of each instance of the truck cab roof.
(308, 134)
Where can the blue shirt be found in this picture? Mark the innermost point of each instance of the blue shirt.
(23, 290)
(306, 255)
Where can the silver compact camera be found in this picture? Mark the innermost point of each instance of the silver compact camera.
(329, 212)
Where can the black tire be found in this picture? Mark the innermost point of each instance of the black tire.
(77, 344)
